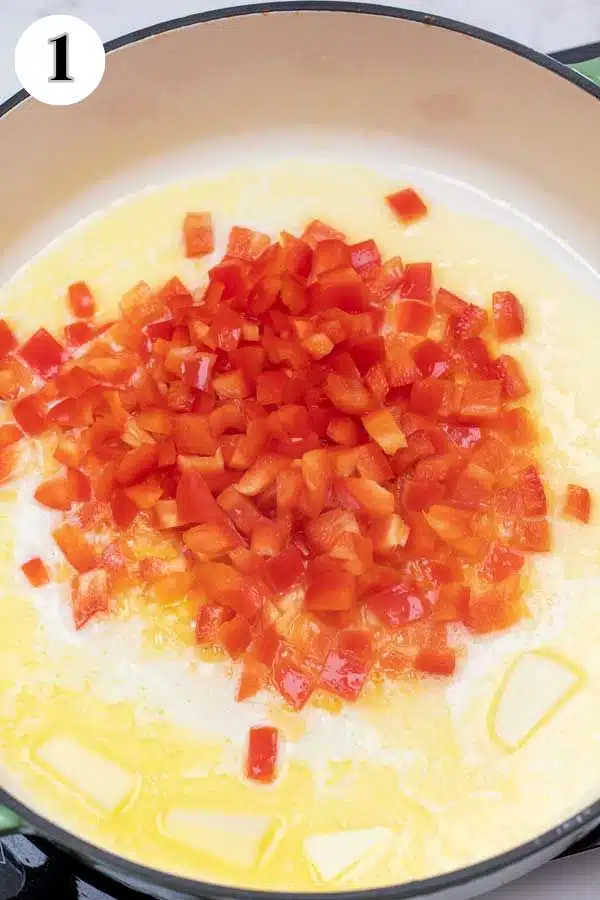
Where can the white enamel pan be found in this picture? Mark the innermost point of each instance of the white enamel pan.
(500, 129)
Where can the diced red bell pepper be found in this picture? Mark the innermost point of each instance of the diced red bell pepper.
(469, 324)
(177, 297)
(140, 305)
(509, 316)
(397, 606)
(235, 635)
(431, 396)
(344, 674)
(211, 540)
(463, 436)
(330, 254)
(414, 316)
(8, 341)
(91, 595)
(198, 234)
(348, 394)
(124, 509)
(54, 493)
(453, 526)
(246, 244)
(373, 464)
(389, 533)
(436, 661)
(578, 503)
(231, 280)
(9, 434)
(497, 609)
(195, 502)
(510, 373)
(381, 282)
(481, 400)
(231, 385)
(15, 377)
(193, 435)
(294, 684)
(371, 497)
(226, 330)
(420, 495)
(241, 510)
(365, 256)
(262, 474)
(330, 591)
(253, 678)
(30, 413)
(323, 532)
(518, 425)
(73, 543)
(384, 429)
(43, 353)
(432, 359)
(476, 355)
(401, 368)
(501, 562)
(145, 494)
(343, 430)
(268, 538)
(285, 570)
(297, 256)
(36, 572)
(417, 282)
(533, 496)
(447, 302)
(290, 489)
(79, 333)
(317, 231)
(81, 300)
(136, 464)
(407, 205)
(343, 289)
(261, 760)
(197, 371)
(209, 620)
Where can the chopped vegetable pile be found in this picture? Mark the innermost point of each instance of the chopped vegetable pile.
(329, 444)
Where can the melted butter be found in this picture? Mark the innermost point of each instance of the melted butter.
(413, 771)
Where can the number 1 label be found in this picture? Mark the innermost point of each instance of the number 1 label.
(60, 60)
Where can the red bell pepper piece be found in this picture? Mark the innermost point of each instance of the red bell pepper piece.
(198, 234)
(509, 316)
(81, 300)
(36, 572)
(407, 205)
(578, 503)
(8, 341)
(261, 761)
(43, 353)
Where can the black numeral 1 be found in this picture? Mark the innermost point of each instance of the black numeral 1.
(61, 58)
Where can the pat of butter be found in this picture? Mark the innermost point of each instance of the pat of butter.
(335, 854)
(231, 838)
(534, 689)
(100, 780)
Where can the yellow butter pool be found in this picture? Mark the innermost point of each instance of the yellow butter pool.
(126, 736)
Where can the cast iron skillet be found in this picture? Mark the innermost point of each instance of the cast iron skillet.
(18, 111)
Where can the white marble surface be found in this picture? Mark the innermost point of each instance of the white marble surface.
(545, 24)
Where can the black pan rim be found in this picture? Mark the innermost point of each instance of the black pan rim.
(572, 827)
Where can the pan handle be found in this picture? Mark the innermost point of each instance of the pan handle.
(10, 822)
(585, 60)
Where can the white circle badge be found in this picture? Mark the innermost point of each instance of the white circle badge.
(60, 60)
